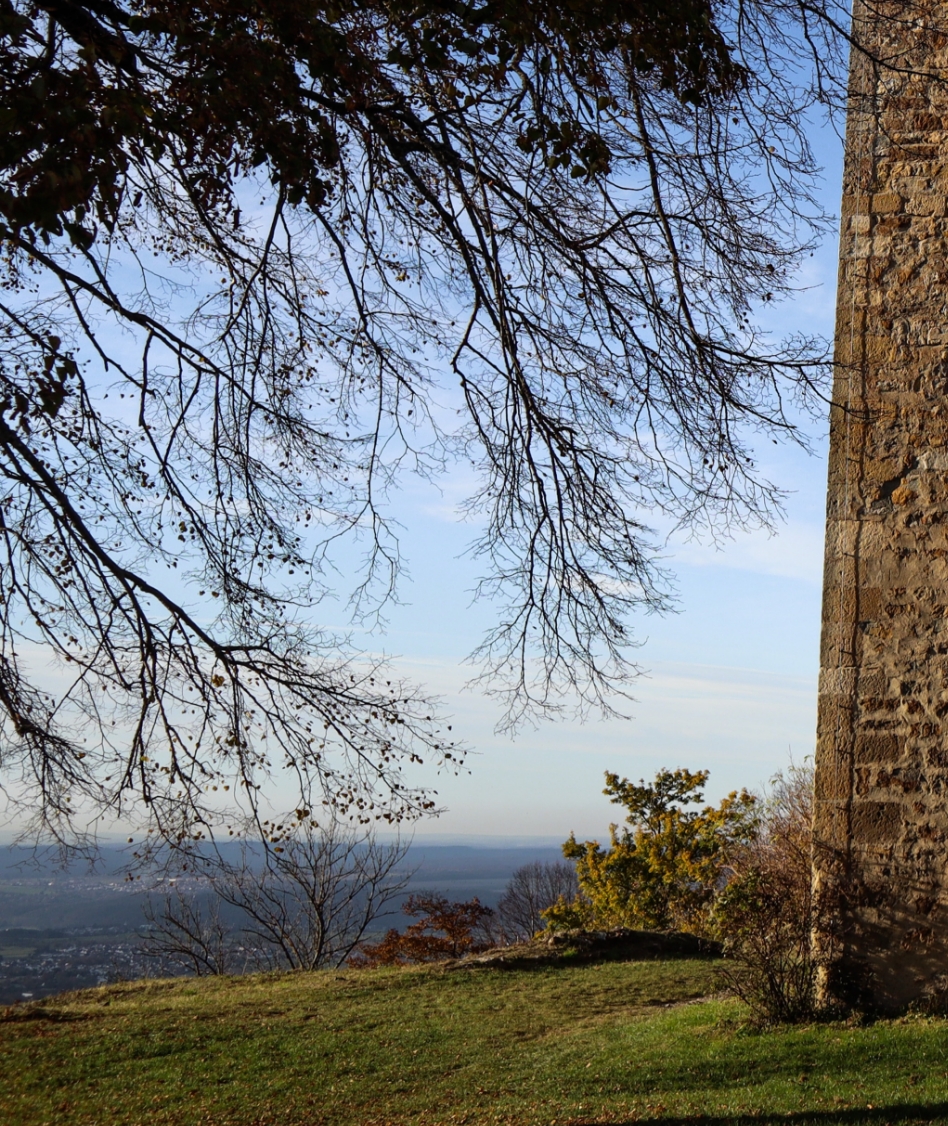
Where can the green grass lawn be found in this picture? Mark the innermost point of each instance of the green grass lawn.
(610, 1043)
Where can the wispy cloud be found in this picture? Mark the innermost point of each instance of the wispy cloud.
(795, 551)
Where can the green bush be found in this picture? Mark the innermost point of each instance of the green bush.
(738, 872)
(664, 869)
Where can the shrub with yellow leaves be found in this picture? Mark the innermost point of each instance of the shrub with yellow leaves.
(664, 869)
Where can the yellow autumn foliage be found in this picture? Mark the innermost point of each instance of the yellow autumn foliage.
(664, 868)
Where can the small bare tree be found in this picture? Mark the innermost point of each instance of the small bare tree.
(305, 906)
(316, 896)
(186, 933)
(531, 890)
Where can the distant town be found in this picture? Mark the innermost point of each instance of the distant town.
(73, 929)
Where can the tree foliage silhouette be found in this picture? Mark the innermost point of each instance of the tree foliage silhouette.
(259, 260)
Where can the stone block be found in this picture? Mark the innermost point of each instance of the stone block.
(884, 203)
(878, 747)
(876, 822)
(831, 831)
(870, 607)
(838, 682)
(855, 205)
(928, 203)
(873, 682)
(878, 348)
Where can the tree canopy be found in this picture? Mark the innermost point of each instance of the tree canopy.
(261, 259)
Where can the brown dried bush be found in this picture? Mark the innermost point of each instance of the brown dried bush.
(765, 914)
(444, 930)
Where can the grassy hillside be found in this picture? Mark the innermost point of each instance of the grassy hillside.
(610, 1043)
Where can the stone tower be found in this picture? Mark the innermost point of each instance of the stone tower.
(881, 813)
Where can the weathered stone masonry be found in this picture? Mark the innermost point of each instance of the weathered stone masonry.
(881, 832)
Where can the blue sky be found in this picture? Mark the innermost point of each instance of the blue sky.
(730, 682)
(731, 677)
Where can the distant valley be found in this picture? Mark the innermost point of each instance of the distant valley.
(72, 929)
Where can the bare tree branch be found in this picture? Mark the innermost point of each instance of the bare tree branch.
(260, 261)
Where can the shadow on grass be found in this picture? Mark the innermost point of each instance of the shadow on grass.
(17, 1013)
(903, 1114)
(576, 948)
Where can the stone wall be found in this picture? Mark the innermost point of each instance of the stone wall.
(881, 834)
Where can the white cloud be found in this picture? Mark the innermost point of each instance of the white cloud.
(741, 724)
(795, 551)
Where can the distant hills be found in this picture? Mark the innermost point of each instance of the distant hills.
(38, 894)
